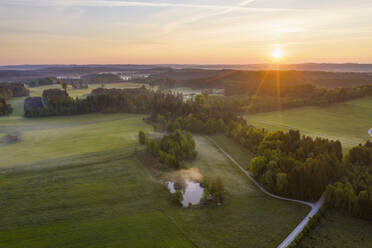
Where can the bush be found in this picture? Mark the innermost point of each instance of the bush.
(176, 198)
(214, 191)
(172, 149)
(5, 109)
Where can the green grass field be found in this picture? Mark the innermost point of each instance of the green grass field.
(57, 137)
(339, 231)
(75, 182)
(104, 199)
(348, 122)
(108, 199)
(149, 229)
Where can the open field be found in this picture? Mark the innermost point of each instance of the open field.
(339, 231)
(249, 218)
(348, 122)
(74, 182)
(57, 137)
(104, 199)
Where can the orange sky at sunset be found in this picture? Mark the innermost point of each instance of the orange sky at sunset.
(194, 32)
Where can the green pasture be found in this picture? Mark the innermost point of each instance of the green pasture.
(104, 199)
(337, 230)
(348, 122)
(58, 137)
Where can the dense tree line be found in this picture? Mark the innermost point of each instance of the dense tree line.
(57, 102)
(288, 164)
(9, 90)
(168, 110)
(352, 191)
(172, 149)
(42, 82)
(199, 115)
(302, 95)
(242, 82)
(5, 109)
(101, 78)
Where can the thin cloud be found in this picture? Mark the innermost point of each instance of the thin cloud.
(119, 3)
(172, 26)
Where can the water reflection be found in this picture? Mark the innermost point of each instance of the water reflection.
(192, 191)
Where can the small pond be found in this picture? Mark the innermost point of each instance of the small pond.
(192, 191)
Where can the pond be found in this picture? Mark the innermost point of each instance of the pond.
(192, 191)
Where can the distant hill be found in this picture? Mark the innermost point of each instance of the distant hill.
(208, 79)
(347, 67)
(324, 75)
(25, 73)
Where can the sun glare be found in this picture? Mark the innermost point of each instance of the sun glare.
(277, 53)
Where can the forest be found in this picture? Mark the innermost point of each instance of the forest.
(9, 90)
(42, 82)
(307, 94)
(288, 164)
(352, 189)
(224, 78)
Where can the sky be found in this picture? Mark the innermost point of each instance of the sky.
(184, 31)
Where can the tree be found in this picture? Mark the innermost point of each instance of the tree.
(200, 99)
(142, 137)
(258, 166)
(5, 109)
(64, 86)
(282, 182)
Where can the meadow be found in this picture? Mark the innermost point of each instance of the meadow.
(348, 122)
(337, 230)
(56, 137)
(76, 182)
(104, 199)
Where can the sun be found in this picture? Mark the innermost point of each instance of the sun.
(277, 53)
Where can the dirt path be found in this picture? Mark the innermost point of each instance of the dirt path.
(314, 206)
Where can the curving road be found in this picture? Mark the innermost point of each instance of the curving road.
(314, 206)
